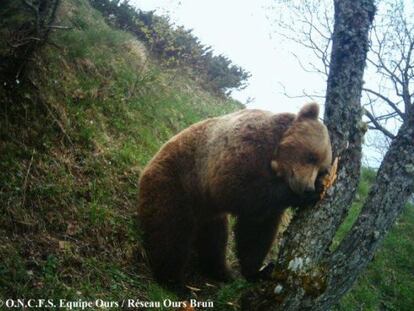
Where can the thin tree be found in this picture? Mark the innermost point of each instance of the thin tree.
(308, 274)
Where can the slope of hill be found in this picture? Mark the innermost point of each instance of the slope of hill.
(74, 136)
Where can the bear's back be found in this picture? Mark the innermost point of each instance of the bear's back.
(235, 159)
(222, 159)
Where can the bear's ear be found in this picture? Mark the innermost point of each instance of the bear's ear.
(309, 111)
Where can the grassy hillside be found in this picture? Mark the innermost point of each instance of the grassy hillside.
(73, 139)
(74, 136)
(388, 282)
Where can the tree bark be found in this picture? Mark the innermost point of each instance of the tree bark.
(301, 270)
(393, 186)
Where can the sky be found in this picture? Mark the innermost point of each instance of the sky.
(243, 31)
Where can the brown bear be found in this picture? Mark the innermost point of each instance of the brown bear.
(252, 164)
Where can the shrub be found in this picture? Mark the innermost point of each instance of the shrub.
(175, 45)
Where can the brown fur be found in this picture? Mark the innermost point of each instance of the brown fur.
(252, 164)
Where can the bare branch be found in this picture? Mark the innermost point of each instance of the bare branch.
(60, 27)
(314, 69)
(35, 10)
(377, 125)
(387, 100)
(304, 94)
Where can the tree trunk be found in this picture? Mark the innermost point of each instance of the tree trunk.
(301, 275)
(393, 186)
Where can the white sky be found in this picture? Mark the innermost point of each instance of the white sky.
(242, 31)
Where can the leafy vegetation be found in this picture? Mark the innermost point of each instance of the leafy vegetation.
(175, 45)
(73, 139)
(388, 282)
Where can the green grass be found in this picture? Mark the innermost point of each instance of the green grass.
(71, 151)
(388, 281)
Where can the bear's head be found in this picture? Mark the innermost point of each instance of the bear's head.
(304, 151)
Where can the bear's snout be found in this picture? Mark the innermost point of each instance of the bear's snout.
(299, 187)
(302, 181)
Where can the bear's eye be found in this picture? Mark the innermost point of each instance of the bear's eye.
(312, 158)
